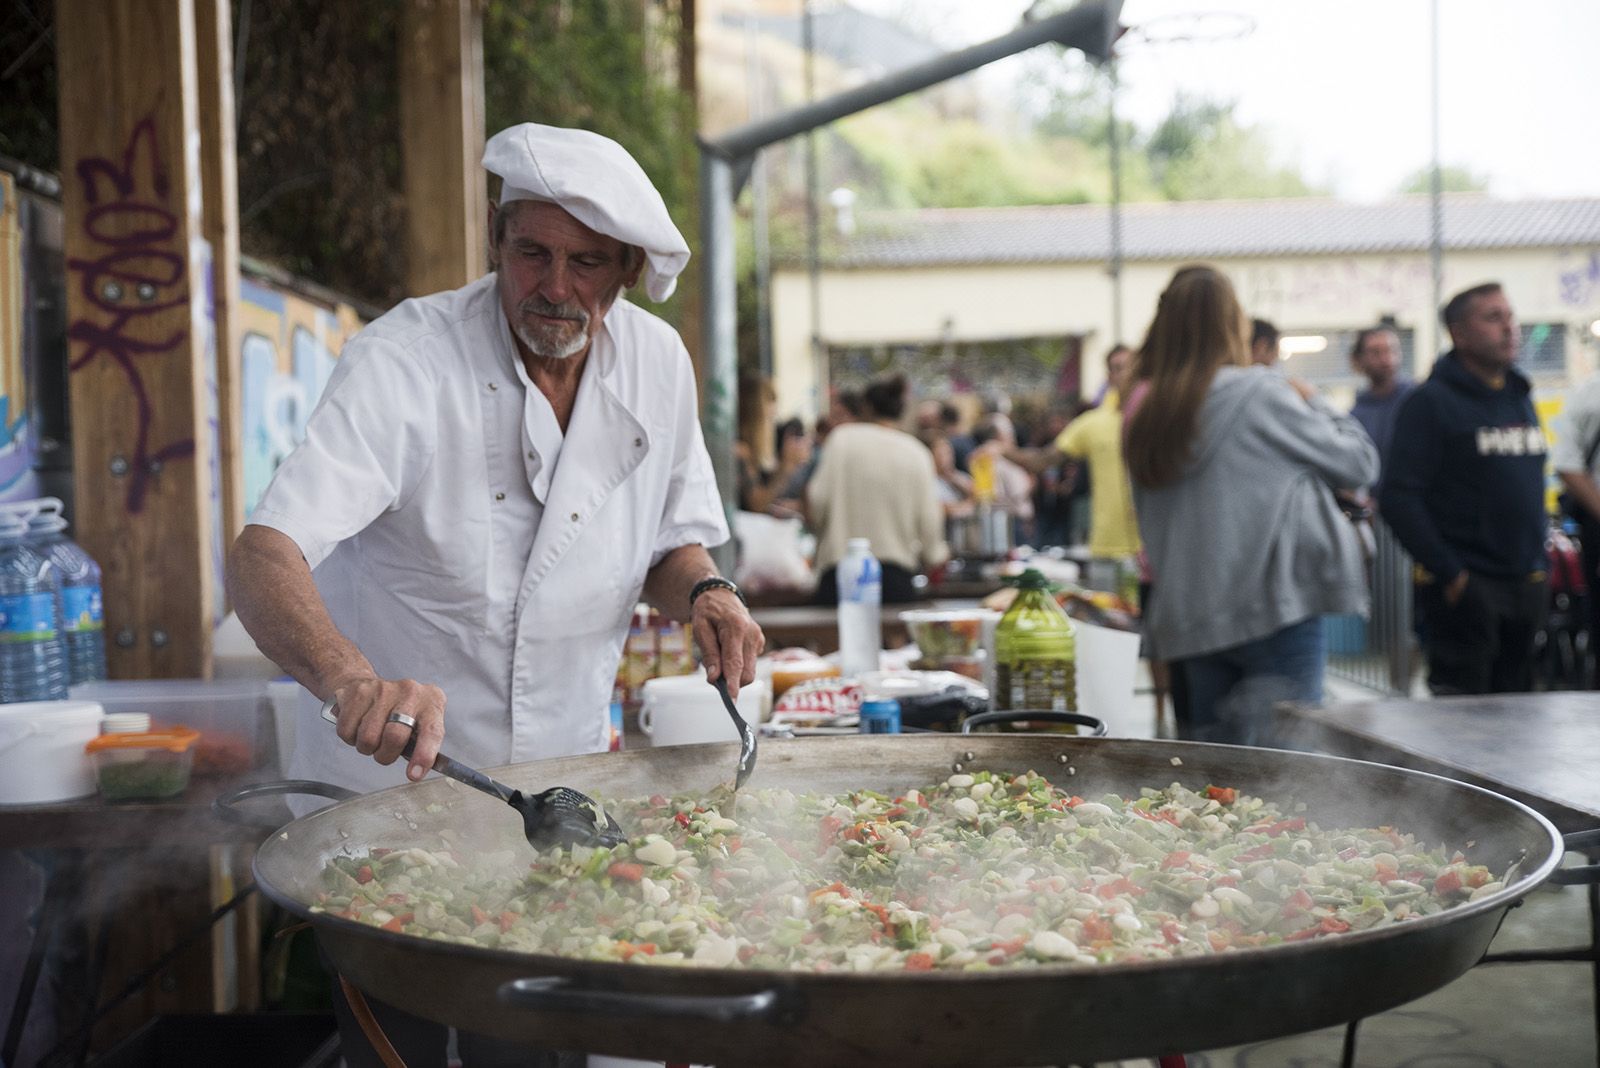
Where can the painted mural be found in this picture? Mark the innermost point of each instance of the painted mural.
(17, 480)
(288, 347)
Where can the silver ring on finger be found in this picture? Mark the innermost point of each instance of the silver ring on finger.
(401, 718)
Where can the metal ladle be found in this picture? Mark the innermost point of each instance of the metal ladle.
(747, 737)
(557, 816)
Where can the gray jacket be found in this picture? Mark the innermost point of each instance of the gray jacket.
(1249, 539)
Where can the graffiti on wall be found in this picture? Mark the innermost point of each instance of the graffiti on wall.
(16, 432)
(286, 356)
(1578, 278)
(1337, 285)
(136, 277)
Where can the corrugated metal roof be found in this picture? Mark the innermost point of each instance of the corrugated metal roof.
(1208, 230)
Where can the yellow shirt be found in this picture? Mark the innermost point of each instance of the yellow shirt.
(1096, 436)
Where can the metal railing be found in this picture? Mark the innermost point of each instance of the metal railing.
(1376, 652)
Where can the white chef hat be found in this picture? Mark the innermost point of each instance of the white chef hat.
(597, 182)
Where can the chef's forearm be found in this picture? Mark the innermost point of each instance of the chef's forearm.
(278, 603)
(668, 584)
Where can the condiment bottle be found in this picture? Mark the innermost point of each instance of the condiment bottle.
(1036, 660)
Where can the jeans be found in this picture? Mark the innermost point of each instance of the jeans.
(1232, 691)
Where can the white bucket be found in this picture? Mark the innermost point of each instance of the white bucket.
(685, 710)
(42, 758)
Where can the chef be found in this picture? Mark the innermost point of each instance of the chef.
(491, 479)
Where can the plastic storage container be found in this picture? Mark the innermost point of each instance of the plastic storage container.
(142, 767)
(234, 717)
(83, 625)
(860, 579)
(41, 751)
(1036, 663)
(33, 662)
(951, 640)
(685, 710)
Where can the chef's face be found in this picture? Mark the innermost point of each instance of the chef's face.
(558, 278)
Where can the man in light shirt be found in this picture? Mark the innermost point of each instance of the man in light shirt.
(491, 480)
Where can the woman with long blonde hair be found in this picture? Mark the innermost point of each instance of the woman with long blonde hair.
(1233, 469)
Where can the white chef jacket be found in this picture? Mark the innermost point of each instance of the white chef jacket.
(459, 538)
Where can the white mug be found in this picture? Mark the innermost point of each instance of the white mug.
(685, 710)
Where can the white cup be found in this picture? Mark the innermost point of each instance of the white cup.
(685, 710)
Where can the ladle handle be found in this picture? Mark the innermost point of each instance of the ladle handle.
(442, 764)
(225, 806)
(558, 994)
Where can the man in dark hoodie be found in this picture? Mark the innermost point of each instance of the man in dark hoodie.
(1463, 488)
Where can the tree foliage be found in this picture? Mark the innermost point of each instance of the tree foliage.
(1453, 179)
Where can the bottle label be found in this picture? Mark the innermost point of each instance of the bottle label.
(82, 610)
(861, 580)
(27, 617)
(1036, 685)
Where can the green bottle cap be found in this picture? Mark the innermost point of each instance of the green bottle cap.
(1032, 579)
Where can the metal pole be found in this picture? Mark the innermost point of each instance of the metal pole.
(1089, 27)
(1115, 267)
(819, 363)
(1436, 194)
(721, 406)
(759, 220)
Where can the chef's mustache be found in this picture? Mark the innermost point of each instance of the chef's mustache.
(565, 310)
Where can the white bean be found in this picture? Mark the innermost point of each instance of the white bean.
(1050, 944)
(1230, 894)
(656, 850)
(960, 782)
(1205, 908)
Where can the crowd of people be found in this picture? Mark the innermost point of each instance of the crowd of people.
(1243, 494)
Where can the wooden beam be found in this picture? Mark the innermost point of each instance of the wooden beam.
(140, 382)
(441, 132)
(219, 183)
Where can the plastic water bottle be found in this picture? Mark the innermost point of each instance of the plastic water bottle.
(33, 662)
(83, 622)
(860, 597)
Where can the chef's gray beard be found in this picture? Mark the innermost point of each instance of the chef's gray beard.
(550, 346)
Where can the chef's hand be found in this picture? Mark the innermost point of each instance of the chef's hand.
(729, 639)
(364, 706)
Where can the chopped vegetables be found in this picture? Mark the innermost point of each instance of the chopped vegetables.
(980, 871)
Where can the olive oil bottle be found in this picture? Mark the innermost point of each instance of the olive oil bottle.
(1036, 660)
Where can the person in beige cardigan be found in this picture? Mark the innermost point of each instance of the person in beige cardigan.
(876, 481)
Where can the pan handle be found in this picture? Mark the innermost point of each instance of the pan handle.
(1583, 875)
(557, 994)
(225, 806)
(1097, 727)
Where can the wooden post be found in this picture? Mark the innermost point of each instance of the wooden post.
(219, 180)
(141, 382)
(441, 131)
